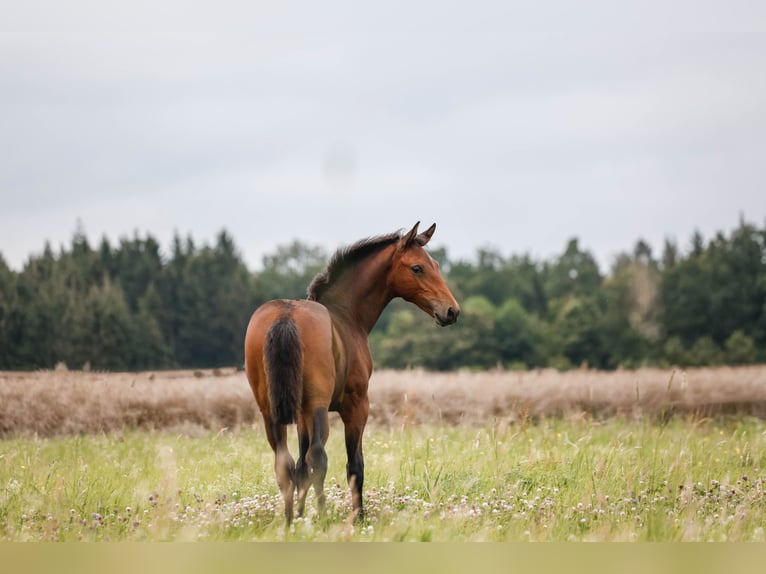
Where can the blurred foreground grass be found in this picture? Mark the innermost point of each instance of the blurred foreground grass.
(557, 480)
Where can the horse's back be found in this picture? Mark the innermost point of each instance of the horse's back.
(315, 332)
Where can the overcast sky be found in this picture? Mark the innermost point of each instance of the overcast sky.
(510, 124)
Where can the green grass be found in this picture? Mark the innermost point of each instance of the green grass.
(619, 480)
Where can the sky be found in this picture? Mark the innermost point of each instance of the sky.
(512, 125)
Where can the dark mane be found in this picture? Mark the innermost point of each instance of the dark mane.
(345, 257)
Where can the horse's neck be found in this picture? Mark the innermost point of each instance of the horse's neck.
(358, 297)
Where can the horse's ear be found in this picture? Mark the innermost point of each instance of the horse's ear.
(407, 240)
(425, 237)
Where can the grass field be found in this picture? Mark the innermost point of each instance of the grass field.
(644, 455)
(690, 480)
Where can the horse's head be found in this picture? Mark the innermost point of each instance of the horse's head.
(415, 278)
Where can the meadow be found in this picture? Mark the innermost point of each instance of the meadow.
(537, 456)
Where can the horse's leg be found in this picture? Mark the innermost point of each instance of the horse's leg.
(284, 465)
(319, 429)
(301, 467)
(355, 418)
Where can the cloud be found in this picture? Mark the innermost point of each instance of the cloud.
(513, 125)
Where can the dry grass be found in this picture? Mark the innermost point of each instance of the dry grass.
(64, 402)
(475, 398)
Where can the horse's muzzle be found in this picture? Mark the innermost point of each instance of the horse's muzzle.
(448, 317)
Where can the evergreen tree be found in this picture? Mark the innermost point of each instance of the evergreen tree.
(8, 316)
(150, 350)
(685, 300)
(136, 264)
(108, 340)
(42, 292)
(211, 305)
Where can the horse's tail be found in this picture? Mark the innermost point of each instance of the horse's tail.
(283, 359)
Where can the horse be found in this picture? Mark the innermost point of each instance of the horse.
(306, 357)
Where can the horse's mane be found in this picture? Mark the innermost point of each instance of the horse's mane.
(345, 257)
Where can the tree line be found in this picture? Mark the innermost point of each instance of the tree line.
(131, 306)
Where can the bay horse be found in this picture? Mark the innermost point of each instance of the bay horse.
(306, 357)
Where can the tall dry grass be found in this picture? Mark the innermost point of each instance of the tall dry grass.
(471, 398)
(47, 403)
(64, 402)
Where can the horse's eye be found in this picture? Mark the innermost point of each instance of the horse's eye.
(417, 269)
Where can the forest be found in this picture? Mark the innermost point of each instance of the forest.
(134, 306)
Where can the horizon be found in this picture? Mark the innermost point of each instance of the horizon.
(256, 265)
